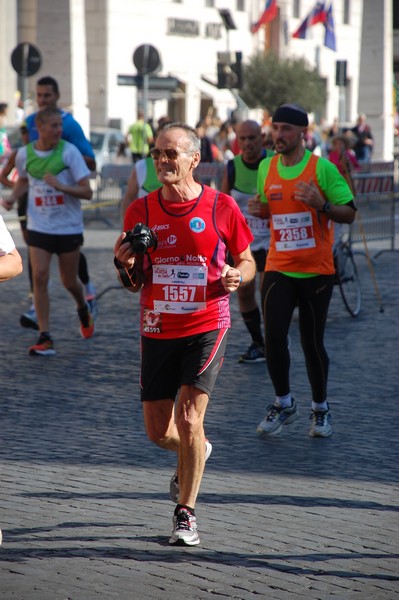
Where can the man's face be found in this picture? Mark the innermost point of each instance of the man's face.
(50, 130)
(173, 170)
(249, 137)
(286, 137)
(46, 96)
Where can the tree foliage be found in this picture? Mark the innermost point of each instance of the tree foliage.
(270, 81)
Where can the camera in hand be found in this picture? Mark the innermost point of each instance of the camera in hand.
(141, 238)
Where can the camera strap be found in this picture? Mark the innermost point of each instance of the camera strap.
(128, 277)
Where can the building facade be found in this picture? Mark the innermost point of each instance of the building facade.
(89, 45)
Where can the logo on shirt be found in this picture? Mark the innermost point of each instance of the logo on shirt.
(160, 227)
(197, 225)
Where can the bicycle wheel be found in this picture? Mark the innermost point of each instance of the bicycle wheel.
(349, 282)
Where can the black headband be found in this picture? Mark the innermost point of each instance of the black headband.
(292, 114)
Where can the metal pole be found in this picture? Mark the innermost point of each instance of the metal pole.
(145, 108)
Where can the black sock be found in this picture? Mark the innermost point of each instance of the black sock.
(84, 315)
(44, 336)
(252, 320)
(83, 271)
(179, 506)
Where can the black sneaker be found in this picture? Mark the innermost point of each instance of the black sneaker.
(254, 354)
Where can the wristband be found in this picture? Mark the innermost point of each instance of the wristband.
(128, 277)
(240, 279)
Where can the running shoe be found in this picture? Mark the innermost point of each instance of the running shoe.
(86, 323)
(174, 488)
(43, 347)
(184, 528)
(29, 319)
(92, 302)
(91, 299)
(254, 354)
(321, 423)
(276, 417)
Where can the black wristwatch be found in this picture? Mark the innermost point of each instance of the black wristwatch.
(326, 207)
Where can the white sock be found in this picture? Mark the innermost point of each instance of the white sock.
(283, 401)
(318, 406)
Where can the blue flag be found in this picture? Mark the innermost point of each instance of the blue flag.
(329, 37)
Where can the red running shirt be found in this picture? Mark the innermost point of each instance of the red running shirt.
(182, 293)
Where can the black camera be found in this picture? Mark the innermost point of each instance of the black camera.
(141, 238)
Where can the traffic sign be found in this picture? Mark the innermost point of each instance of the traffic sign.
(146, 59)
(26, 59)
(154, 82)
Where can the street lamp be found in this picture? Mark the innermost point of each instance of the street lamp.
(226, 76)
(228, 23)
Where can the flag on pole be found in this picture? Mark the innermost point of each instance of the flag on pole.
(269, 14)
(318, 14)
(329, 36)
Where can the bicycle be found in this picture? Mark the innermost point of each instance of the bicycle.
(346, 274)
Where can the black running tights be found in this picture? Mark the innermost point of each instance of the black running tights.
(280, 295)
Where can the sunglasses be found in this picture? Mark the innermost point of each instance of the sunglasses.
(170, 153)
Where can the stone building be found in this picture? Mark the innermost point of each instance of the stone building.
(88, 45)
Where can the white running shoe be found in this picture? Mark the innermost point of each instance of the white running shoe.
(276, 418)
(184, 528)
(321, 423)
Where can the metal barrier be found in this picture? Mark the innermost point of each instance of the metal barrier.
(376, 202)
(376, 218)
(109, 188)
(372, 182)
(210, 174)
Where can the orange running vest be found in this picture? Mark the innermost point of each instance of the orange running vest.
(301, 237)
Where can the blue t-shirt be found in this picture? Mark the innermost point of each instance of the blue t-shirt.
(71, 132)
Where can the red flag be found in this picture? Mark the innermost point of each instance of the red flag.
(318, 14)
(269, 14)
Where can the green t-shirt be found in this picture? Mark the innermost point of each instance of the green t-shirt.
(329, 179)
(139, 134)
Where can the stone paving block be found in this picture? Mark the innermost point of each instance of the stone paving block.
(84, 500)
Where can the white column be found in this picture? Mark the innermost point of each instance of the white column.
(8, 41)
(376, 78)
(193, 104)
(79, 87)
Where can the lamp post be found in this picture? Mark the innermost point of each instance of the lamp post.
(227, 59)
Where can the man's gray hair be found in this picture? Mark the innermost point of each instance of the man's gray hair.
(195, 142)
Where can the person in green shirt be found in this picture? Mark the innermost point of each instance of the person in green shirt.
(303, 195)
(139, 137)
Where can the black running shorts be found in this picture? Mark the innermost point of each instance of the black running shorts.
(55, 244)
(195, 360)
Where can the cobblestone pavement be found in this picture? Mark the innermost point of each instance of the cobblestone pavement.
(84, 500)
